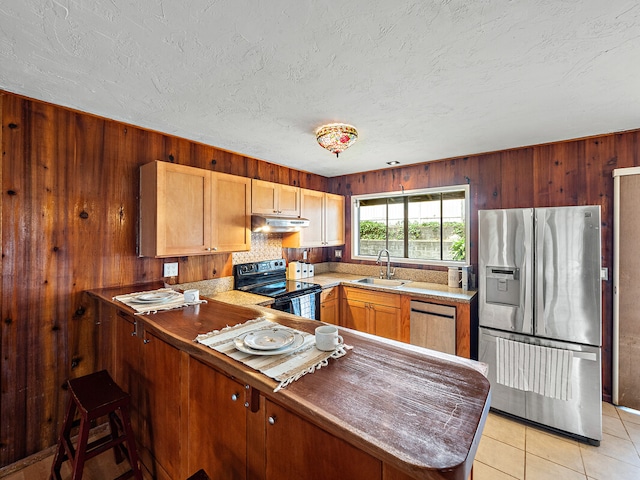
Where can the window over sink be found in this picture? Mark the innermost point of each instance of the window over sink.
(426, 226)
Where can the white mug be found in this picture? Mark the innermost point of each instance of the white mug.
(191, 296)
(327, 338)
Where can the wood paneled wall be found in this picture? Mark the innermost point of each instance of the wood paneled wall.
(577, 172)
(69, 222)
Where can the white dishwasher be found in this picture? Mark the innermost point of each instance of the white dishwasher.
(433, 326)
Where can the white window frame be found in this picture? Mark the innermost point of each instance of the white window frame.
(355, 227)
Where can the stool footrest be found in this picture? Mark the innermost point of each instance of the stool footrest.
(125, 475)
(102, 445)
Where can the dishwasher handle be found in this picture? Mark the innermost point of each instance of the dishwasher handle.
(437, 314)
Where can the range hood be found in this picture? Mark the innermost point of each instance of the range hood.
(271, 224)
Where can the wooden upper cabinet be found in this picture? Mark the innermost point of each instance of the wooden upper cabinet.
(191, 211)
(230, 213)
(334, 219)
(325, 212)
(312, 208)
(269, 198)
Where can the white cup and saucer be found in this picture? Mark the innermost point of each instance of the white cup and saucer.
(327, 338)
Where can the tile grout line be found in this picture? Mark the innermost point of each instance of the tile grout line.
(524, 473)
(624, 424)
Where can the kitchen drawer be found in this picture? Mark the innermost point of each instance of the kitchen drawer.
(370, 296)
(328, 294)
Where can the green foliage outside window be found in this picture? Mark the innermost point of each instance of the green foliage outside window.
(458, 248)
(370, 230)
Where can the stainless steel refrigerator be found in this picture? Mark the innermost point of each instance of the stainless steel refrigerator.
(540, 308)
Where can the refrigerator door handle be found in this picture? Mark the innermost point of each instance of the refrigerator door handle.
(586, 356)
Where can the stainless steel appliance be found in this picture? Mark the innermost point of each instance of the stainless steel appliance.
(540, 307)
(271, 224)
(268, 278)
(433, 326)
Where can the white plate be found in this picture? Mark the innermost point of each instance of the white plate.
(298, 340)
(270, 339)
(159, 297)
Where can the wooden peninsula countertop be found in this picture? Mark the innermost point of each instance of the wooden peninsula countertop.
(421, 412)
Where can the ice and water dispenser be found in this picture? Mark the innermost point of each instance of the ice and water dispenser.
(503, 285)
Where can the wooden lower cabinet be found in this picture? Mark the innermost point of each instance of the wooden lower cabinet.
(149, 369)
(378, 313)
(388, 315)
(189, 416)
(128, 371)
(296, 449)
(217, 425)
(330, 305)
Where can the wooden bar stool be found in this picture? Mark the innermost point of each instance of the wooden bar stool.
(94, 396)
(199, 475)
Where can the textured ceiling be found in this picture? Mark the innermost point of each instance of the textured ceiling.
(421, 80)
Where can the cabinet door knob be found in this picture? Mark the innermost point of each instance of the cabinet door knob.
(235, 397)
(146, 340)
(272, 420)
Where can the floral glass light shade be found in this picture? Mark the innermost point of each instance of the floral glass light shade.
(336, 137)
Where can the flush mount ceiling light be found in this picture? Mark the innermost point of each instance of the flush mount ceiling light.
(336, 137)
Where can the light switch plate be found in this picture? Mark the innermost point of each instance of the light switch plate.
(171, 269)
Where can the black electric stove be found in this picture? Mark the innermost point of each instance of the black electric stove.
(269, 278)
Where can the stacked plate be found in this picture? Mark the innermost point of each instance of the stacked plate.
(154, 297)
(272, 341)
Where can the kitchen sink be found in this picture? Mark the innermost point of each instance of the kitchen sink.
(383, 282)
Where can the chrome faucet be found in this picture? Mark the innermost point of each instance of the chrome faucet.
(389, 272)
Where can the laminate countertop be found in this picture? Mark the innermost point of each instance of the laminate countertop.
(416, 409)
(417, 290)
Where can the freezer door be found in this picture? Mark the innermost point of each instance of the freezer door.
(505, 269)
(582, 414)
(505, 399)
(568, 286)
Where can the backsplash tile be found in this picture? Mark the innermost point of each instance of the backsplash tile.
(415, 275)
(264, 246)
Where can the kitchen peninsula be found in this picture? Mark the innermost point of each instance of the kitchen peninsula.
(386, 410)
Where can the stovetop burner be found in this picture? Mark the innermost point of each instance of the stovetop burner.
(287, 287)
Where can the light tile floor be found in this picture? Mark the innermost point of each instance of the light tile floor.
(508, 450)
(512, 450)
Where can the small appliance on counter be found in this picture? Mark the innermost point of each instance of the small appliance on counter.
(294, 272)
(269, 278)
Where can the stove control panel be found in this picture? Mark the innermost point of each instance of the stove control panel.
(267, 266)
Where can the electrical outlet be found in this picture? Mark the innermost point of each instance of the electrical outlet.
(171, 269)
(338, 253)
